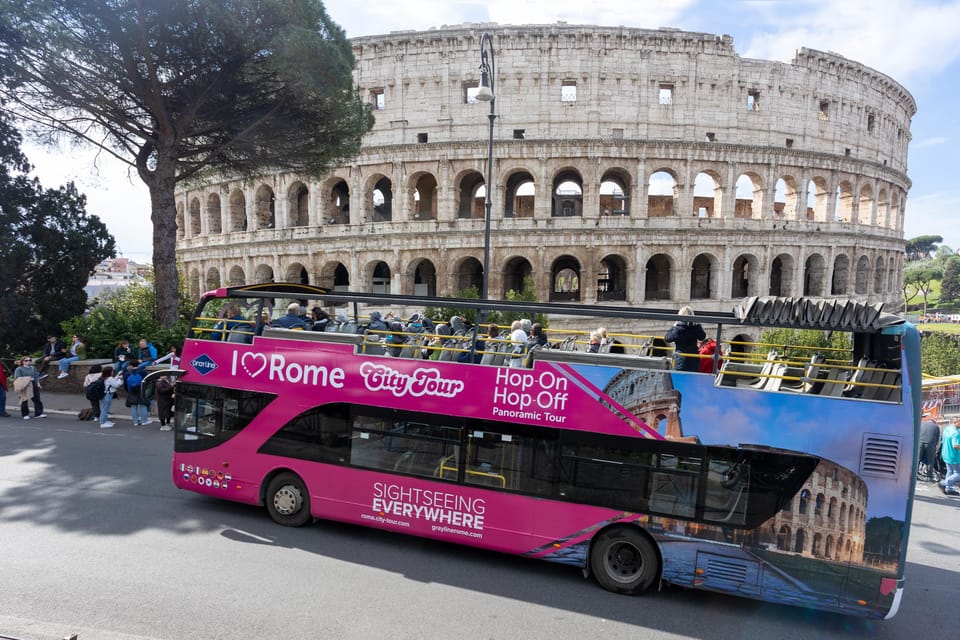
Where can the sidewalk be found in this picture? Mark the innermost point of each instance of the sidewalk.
(68, 404)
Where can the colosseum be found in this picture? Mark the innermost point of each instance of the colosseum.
(630, 166)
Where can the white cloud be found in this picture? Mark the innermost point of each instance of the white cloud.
(901, 38)
(381, 16)
(929, 142)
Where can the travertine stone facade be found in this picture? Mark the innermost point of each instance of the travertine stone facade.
(631, 166)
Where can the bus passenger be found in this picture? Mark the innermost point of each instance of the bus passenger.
(685, 336)
(292, 320)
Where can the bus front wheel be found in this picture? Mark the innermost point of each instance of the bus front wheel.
(624, 561)
(288, 502)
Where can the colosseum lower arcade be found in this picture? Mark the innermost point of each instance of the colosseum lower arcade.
(631, 166)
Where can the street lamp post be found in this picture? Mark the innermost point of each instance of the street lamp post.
(485, 93)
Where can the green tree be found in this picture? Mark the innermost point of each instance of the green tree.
(918, 278)
(939, 354)
(49, 250)
(803, 343)
(922, 247)
(127, 313)
(950, 285)
(180, 88)
(500, 318)
(882, 538)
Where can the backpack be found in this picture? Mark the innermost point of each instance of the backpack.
(134, 380)
(86, 414)
(96, 390)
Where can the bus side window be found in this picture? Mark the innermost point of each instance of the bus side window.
(407, 447)
(321, 434)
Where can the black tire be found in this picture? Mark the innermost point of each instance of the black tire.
(623, 560)
(288, 502)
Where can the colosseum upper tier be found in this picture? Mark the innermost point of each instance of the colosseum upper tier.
(629, 166)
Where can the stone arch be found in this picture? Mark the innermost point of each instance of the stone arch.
(180, 222)
(749, 202)
(615, 192)
(817, 199)
(566, 198)
(832, 509)
(194, 283)
(804, 504)
(612, 279)
(659, 271)
(781, 275)
(815, 549)
(883, 209)
(422, 276)
(865, 207)
(843, 210)
(236, 277)
(195, 227)
(744, 283)
(783, 538)
(703, 277)
(707, 194)
(662, 192)
(380, 277)
(862, 276)
(299, 198)
(423, 196)
(468, 272)
(879, 274)
(814, 272)
(519, 195)
(334, 276)
(471, 193)
(262, 274)
(265, 208)
(800, 541)
(841, 275)
(380, 201)
(786, 198)
(818, 504)
(515, 273)
(213, 214)
(336, 204)
(737, 346)
(296, 272)
(238, 211)
(213, 279)
(565, 279)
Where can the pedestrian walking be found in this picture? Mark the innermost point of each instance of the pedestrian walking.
(164, 393)
(26, 382)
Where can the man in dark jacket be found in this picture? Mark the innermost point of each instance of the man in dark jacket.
(685, 336)
(929, 437)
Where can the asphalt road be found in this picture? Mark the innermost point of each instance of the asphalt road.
(96, 541)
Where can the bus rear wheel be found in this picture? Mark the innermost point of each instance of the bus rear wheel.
(288, 502)
(624, 561)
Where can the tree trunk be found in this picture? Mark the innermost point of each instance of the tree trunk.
(164, 217)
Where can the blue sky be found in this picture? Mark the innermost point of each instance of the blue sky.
(916, 42)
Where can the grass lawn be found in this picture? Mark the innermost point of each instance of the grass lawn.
(939, 327)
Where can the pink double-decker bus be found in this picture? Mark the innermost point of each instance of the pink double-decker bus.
(782, 472)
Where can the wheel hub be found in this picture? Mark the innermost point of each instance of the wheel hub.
(287, 500)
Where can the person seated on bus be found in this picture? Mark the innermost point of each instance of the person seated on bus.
(708, 347)
(320, 319)
(292, 320)
(376, 322)
(230, 319)
(685, 336)
(612, 345)
(594, 342)
(395, 339)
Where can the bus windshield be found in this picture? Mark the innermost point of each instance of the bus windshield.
(761, 452)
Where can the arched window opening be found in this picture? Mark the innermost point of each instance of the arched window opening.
(657, 286)
(661, 192)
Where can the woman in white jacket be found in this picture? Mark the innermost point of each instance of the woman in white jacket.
(110, 383)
